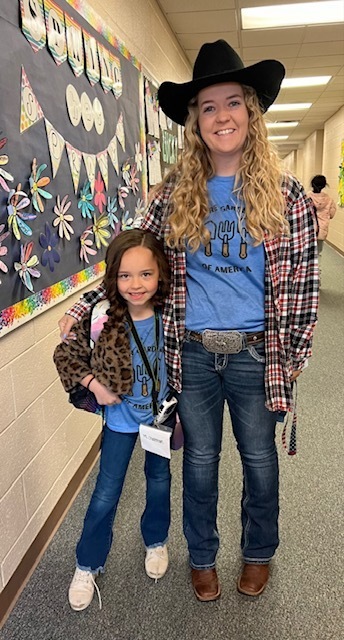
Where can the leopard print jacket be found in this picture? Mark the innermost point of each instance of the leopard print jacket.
(109, 360)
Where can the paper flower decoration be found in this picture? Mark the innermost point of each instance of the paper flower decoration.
(122, 192)
(101, 234)
(86, 246)
(27, 264)
(4, 175)
(126, 172)
(85, 202)
(134, 180)
(138, 156)
(127, 221)
(99, 198)
(36, 184)
(111, 212)
(16, 201)
(49, 241)
(63, 218)
(3, 250)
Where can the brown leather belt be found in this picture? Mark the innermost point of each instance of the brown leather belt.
(245, 338)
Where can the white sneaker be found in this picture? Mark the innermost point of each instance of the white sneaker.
(81, 590)
(156, 562)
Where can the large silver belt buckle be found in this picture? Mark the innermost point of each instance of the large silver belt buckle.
(222, 341)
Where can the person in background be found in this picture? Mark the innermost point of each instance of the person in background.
(239, 320)
(135, 283)
(325, 209)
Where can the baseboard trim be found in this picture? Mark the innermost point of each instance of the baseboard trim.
(16, 584)
(335, 248)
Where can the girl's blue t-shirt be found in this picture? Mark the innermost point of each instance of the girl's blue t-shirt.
(225, 278)
(136, 408)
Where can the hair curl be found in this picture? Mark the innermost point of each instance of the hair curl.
(257, 183)
(130, 239)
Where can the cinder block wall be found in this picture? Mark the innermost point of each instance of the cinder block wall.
(42, 440)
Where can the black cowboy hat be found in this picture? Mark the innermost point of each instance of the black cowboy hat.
(218, 62)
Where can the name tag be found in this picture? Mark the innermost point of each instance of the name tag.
(155, 440)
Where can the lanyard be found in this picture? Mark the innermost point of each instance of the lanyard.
(153, 373)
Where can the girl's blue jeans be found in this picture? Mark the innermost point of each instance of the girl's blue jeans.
(96, 538)
(210, 380)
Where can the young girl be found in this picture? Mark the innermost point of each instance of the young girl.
(136, 281)
(325, 208)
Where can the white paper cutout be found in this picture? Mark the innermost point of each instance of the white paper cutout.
(87, 111)
(98, 113)
(73, 105)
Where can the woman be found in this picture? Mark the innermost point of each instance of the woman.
(325, 210)
(242, 308)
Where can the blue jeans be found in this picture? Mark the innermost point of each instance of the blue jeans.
(96, 538)
(208, 381)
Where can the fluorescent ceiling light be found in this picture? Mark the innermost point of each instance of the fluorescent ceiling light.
(278, 137)
(311, 81)
(292, 106)
(286, 15)
(281, 125)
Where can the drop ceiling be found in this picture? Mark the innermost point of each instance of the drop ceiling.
(304, 51)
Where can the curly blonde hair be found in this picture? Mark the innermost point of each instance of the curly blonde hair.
(257, 183)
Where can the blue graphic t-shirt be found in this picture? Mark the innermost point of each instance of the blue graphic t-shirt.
(137, 408)
(225, 278)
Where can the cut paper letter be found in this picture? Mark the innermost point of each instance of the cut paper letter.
(74, 157)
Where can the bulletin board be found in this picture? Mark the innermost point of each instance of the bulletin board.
(72, 158)
(164, 138)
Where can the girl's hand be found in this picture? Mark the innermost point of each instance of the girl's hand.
(295, 375)
(103, 394)
(65, 325)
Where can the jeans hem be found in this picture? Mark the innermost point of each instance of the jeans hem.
(199, 567)
(94, 571)
(257, 560)
(156, 544)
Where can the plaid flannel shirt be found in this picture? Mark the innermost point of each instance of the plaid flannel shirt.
(291, 294)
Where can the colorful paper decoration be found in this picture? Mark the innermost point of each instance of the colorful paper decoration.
(30, 110)
(92, 60)
(56, 145)
(105, 68)
(33, 25)
(117, 85)
(74, 46)
(56, 35)
(86, 111)
(74, 157)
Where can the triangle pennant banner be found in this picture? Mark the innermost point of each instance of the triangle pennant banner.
(103, 166)
(90, 161)
(56, 145)
(120, 132)
(30, 109)
(112, 151)
(74, 157)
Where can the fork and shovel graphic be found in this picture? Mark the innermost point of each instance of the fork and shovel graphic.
(226, 233)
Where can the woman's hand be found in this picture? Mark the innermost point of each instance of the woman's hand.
(65, 325)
